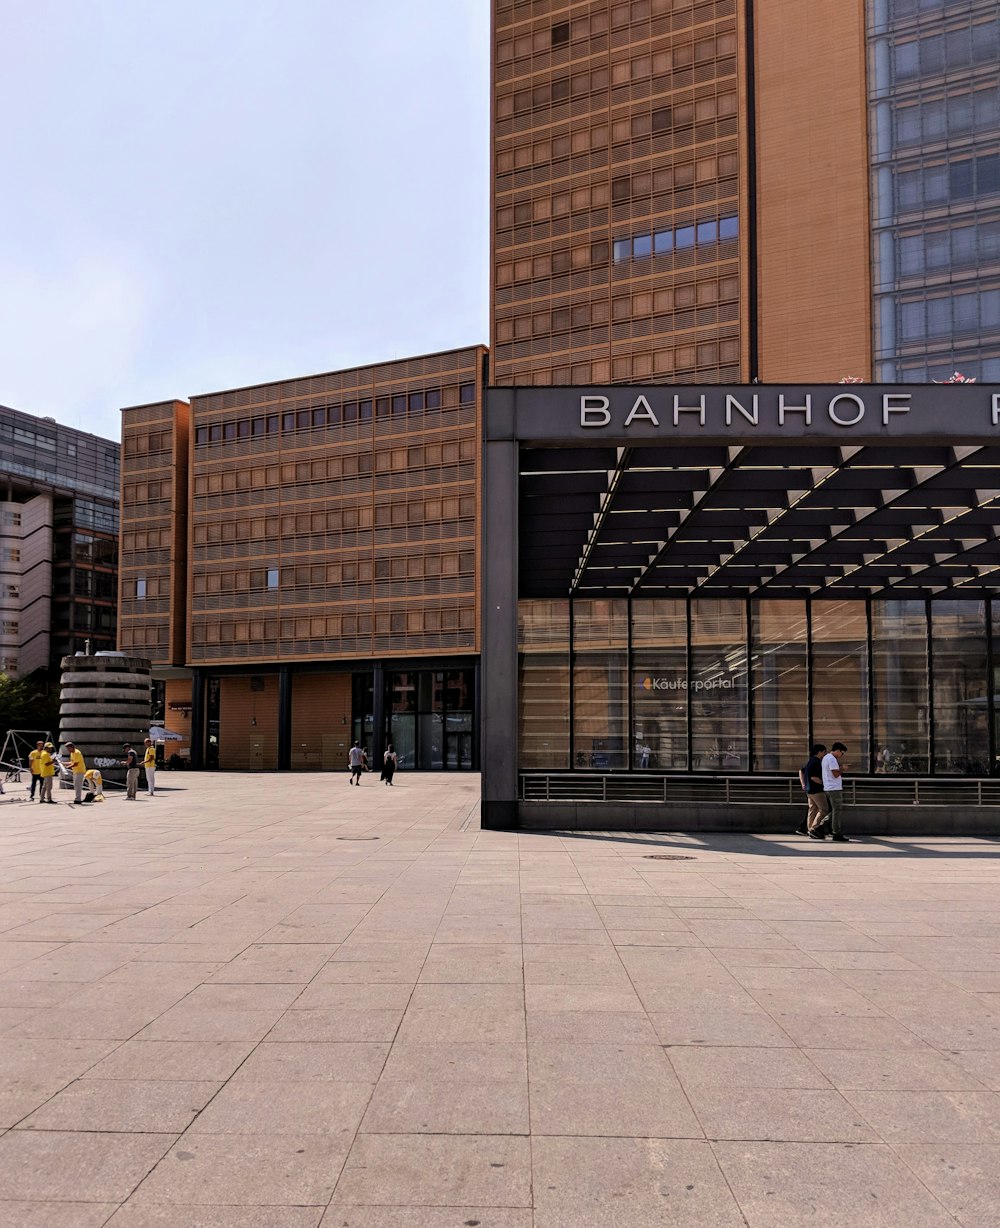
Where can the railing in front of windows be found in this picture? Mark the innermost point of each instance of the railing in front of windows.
(762, 791)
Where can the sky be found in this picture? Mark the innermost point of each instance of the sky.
(203, 194)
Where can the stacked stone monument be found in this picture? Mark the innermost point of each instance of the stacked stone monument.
(104, 701)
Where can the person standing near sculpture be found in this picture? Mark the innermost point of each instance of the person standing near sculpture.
(131, 764)
(35, 768)
(47, 772)
(79, 770)
(149, 763)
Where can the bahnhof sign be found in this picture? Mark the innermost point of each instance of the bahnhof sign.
(685, 587)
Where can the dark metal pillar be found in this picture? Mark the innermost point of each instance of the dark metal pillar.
(477, 720)
(500, 548)
(197, 718)
(378, 715)
(284, 718)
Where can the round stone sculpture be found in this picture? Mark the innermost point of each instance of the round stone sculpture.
(104, 701)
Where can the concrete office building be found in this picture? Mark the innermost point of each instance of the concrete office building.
(300, 564)
(58, 543)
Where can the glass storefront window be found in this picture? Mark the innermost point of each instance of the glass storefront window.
(958, 655)
(543, 684)
(899, 666)
(600, 684)
(659, 685)
(682, 674)
(840, 677)
(718, 685)
(779, 685)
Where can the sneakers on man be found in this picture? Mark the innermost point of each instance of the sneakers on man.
(817, 834)
(802, 830)
(840, 838)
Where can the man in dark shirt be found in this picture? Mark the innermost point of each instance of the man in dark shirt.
(131, 763)
(811, 779)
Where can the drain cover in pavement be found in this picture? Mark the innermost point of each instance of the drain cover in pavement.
(667, 857)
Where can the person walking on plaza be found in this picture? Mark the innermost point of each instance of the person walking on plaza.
(389, 761)
(35, 768)
(47, 772)
(811, 780)
(357, 761)
(833, 787)
(79, 770)
(149, 763)
(131, 762)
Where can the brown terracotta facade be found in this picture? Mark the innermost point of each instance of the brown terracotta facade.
(152, 591)
(331, 521)
(814, 268)
(336, 517)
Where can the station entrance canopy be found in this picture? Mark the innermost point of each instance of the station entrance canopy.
(755, 491)
(880, 502)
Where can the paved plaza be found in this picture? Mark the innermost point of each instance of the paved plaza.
(279, 1002)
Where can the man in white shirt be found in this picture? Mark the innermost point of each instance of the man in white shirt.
(833, 787)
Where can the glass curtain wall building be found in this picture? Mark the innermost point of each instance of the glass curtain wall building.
(58, 542)
(935, 154)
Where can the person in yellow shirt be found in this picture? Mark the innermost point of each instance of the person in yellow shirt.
(149, 763)
(47, 771)
(35, 768)
(79, 770)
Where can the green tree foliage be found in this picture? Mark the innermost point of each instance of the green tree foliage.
(28, 703)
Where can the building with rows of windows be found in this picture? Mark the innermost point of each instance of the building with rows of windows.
(300, 564)
(58, 542)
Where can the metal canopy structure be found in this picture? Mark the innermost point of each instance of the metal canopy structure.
(906, 519)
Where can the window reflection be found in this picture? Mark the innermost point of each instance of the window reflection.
(899, 666)
(543, 684)
(718, 683)
(659, 685)
(600, 684)
(958, 647)
(780, 698)
(840, 677)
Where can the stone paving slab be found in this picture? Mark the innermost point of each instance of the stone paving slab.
(239, 1005)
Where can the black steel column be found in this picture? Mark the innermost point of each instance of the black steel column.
(748, 649)
(630, 693)
(284, 718)
(569, 690)
(378, 715)
(991, 699)
(197, 719)
(688, 658)
(810, 720)
(870, 664)
(931, 730)
(499, 640)
(477, 692)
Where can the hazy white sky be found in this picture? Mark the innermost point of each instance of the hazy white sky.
(200, 194)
